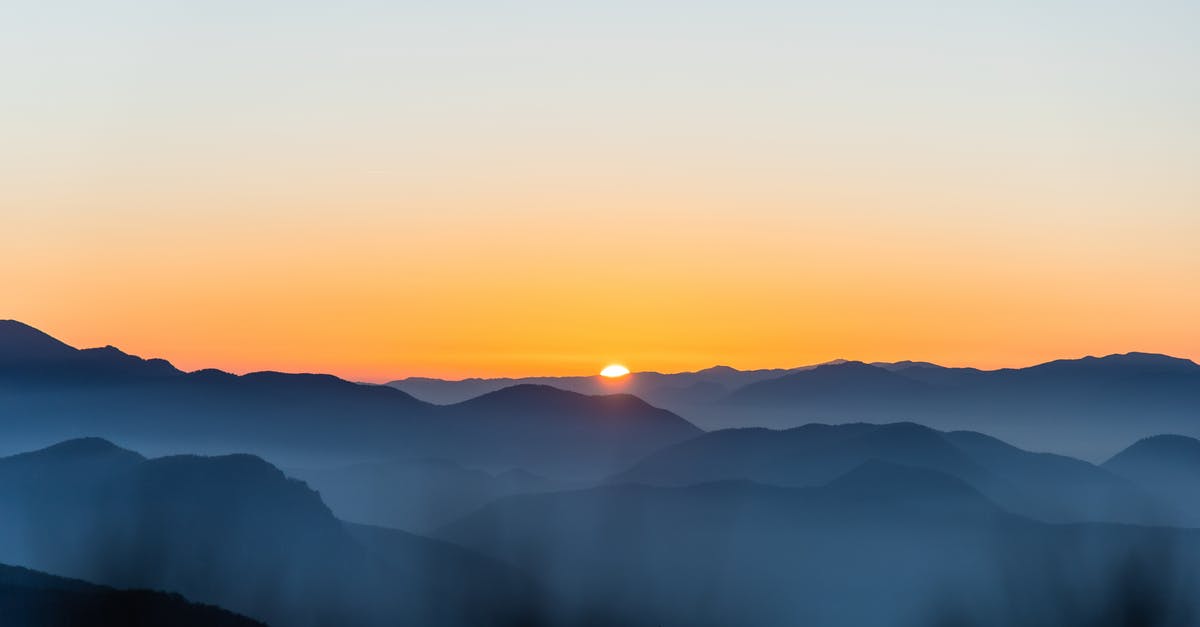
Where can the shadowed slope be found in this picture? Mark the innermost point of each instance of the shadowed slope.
(1042, 486)
(33, 599)
(415, 495)
(883, 544)
(236, 532)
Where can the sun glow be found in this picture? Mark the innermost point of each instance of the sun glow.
(613, 371)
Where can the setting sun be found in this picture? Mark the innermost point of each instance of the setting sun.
(613, 371)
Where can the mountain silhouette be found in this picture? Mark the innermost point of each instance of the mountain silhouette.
(1046, 487)
(19, 341)
(27, 353)
(236, 532)
(1114, 399)
(51, 392)
(569, 433)
(32, 599)
(830, 381)
(1167, 466)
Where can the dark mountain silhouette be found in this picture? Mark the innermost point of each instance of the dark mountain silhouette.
(32, 599)
(1043, 486)
(569, 433)
(50, 392)
(415, 495)
(29, 354)
(235, 532)
(882, 544)
(1167, 466)
(21, 341)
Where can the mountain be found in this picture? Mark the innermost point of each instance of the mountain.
(569, 433)
(1046, 487)
(804, 456)
(29, 354)
(682, 389)
(883, 544)
(1167, 466)
(1113, 400)
(236, 532)
(415, 495)
(832, 381)
(521, 439)
(19, 340)
(50, 391)
(33, 599)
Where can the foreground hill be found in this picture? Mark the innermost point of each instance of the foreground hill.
(50, 391)
(33, 599)
(235, 532)
(881, 545)
(1046, 487)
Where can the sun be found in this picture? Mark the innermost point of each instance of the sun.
(613, 371)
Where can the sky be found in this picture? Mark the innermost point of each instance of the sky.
(387, 189)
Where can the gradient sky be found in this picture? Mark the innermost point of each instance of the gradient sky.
(383, 189)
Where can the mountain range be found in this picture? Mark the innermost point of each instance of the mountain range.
(50, 391)
(882, 544)
(1114, 399)
(1041, 486)
(843, 493)
(236, 532)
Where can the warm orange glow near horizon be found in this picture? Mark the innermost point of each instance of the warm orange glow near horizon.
(376, 297)
(379, 192)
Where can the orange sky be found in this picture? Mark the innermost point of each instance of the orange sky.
(379, 195)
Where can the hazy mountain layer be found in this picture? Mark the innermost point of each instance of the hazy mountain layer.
(235, 532)
(881, 545)
(1113, 400)
(1046, 487)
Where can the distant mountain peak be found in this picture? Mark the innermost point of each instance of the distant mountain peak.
(904, 365)
(1155, 361)
(83, 454)
(524, 393)
(80, 447)
(1166, 448)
